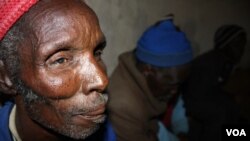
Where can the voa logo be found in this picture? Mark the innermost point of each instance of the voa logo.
(236, 132)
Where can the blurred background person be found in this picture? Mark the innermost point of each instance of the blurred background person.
(208, 105)
(145, 102)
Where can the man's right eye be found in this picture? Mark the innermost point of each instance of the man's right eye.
(59, 61)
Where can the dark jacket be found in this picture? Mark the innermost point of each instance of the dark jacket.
(207, 105)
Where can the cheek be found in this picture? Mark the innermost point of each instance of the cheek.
(51, 84)
(56, 113)
(62, 85)
(155, 82)
(159, 85)
(154, 85)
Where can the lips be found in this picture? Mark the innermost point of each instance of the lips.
(96, 119)
(95, 116)
(99, 110)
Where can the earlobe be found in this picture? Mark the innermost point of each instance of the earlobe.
(6, 85)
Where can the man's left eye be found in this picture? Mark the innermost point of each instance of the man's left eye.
(98, 54)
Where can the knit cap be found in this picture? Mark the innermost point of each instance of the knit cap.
(11, 11)
(227, 33)
(164, 46)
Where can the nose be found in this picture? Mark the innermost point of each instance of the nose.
(96, 79)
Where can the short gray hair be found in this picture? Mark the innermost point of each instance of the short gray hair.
(9, 49)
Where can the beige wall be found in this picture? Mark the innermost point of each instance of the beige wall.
(123, 21)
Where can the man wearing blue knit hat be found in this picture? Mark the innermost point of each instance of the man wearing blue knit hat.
(144, 88)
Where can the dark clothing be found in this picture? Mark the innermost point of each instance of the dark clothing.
(5, 134)
(207, 105)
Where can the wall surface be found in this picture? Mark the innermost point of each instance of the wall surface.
(123, 21)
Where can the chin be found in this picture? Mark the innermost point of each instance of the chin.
(77, 132)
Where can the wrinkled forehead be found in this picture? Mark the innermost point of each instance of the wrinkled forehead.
(50, 9)
(53, 16)
(59, 5)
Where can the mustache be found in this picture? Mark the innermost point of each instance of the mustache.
(87, 107)
(102, 99)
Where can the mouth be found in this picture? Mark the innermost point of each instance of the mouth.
(95, 116)
(172, 93)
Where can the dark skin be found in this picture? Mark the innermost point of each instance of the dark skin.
(63, 66)
(163, 82)
(234, 50)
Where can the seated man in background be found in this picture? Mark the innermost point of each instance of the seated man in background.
(50, 62)
(146, 80)
(207, 104)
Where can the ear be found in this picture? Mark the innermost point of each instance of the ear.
(6, 85)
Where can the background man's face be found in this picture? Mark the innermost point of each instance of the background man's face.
(165, 82)
(63, 72)
(235, 48)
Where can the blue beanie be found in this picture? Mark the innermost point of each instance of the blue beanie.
(162, 45)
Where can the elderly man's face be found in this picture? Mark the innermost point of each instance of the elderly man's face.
(165, 82)
(63, 69)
